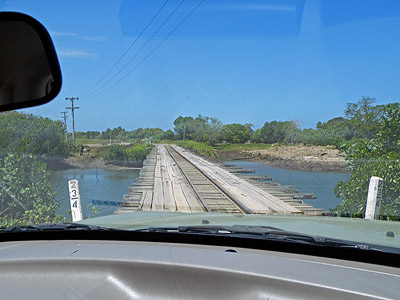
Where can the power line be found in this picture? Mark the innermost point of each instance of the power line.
(72, 108)
(146, 57)
(127, 50)
(65, 124)
(140, 50)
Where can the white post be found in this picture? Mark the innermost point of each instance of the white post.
(75, 200)
(374, 198)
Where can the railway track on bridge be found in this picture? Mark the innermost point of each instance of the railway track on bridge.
(212, 196)
(175, 180)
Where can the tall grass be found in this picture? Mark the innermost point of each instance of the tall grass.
(132, 157)
(202, 149)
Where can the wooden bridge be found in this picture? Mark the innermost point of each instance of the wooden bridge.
(174, 179)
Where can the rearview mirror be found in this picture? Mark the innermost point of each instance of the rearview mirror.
(29, 70)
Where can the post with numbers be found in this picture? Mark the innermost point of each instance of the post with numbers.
(374, 198)
(75, 200)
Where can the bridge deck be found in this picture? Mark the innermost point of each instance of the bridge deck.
(173, 179)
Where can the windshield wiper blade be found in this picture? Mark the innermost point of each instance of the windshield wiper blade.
(272, 234)
(55, 227)
(261, 232)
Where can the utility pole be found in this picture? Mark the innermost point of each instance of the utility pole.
(65, 124)
(184, 132)
(72, 108)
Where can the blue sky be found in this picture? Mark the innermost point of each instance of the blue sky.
(244, 61)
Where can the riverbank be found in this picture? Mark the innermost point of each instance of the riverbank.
(92, 158)
(82, 162)
(298, 157)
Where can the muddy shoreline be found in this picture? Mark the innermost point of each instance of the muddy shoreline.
(82, 162)
(305, 158)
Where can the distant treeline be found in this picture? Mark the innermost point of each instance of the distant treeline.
(361, 121)
(120, 133)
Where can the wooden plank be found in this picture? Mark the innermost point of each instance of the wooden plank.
(157, 170)
(168, 196)
(176, 178)
(147, 200)
(143, 186)
(180, 200)
(251, 196)
(157, 203)
(191, 200)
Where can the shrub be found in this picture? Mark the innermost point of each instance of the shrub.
(25, 192)
(380, 157)
(133, 157)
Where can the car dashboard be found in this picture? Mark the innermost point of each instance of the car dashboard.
(79, 269)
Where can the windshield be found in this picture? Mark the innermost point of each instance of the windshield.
(264, 113)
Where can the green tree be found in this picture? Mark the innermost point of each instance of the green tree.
(379, 156)
(25, 133)
(364, 117)
(236, 133)
(184, 126)
(169, 135)
(276, 132)
(26, 196)
(207, 129)
(200, 129)
(333, 132)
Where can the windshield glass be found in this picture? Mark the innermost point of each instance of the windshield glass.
(173, 112)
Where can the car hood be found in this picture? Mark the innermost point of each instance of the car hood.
(384, 233)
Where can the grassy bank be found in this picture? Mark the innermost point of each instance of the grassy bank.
(100, 141)
(242, 147)
(202, 149)
(98, 155)
(127, 156)
(218, 151)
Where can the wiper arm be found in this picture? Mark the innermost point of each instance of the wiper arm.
(218, 229)
(261, 232)
(55, 227)
(254, 231)
(271, 233)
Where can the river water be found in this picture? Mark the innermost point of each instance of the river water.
(319, 183)
(95, 185)
(99, 185)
